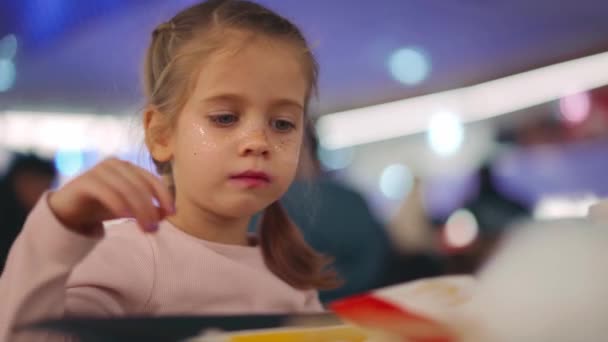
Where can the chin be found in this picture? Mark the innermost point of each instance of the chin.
(245, 206)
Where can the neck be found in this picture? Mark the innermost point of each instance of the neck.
(206, 225)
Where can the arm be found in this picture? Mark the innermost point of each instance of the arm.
(36, 283)
(37, 268)
(52, 272)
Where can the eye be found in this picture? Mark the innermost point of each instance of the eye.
(224, 119)
(282, 125)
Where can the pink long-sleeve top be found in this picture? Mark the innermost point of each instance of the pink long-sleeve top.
(52, 272)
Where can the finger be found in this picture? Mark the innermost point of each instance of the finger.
(110, 199)
(160, 191)
(135, 176)
(138, 198)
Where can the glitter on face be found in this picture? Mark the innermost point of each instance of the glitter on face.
(204, 141)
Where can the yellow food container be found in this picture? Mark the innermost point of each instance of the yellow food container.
(339, 333)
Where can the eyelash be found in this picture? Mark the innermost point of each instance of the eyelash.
(216, 120)
(289, 124)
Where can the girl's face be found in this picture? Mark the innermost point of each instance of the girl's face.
(237, 141)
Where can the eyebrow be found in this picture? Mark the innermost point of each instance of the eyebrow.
(239, 99)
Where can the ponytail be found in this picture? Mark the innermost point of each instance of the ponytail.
(287, 254)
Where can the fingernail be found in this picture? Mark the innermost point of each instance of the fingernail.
(152, 227)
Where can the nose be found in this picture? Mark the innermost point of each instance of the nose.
(255, 144)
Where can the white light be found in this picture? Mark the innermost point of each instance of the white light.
(482, 101)
(336, 159)
(575, 108)
(409, 66)
(396, 181)
(8, 74)
(445, 134)
(8, 47)
(461, 229)
(564, 206)
(46, 131)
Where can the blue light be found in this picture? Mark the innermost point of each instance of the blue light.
(336, 159)
(409, 66)
(8, 74)
(396, 181)
(8, 47)
(69, 162)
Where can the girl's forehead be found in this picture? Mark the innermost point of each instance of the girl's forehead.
(255, 65)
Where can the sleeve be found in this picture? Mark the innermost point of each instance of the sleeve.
(52, 272)
(116, 278)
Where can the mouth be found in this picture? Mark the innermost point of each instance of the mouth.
(251, 179)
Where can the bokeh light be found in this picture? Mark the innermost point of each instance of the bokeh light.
(575, 108)
(445, 134)
(8, 74)
(69, 162)
(8, 47)
(461, 229)
(336, 159)
(396, 181)
(409, 66)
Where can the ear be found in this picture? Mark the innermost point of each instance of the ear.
(158, 135)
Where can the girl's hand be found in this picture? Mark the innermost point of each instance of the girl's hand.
(112, 189)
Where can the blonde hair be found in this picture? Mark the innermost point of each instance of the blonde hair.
(168, 81)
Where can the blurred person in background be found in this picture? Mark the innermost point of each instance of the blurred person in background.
(494, 212)
(26, 179)
(414, 252)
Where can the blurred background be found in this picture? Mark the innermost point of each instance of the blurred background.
(439, 123)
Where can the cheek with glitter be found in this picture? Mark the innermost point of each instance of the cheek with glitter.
(202, 139)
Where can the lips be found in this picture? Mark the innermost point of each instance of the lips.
(251, 178)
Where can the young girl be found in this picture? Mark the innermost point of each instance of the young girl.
(227, 85)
